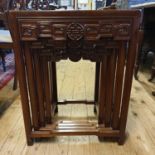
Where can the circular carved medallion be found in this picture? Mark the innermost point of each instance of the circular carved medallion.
(75, 31)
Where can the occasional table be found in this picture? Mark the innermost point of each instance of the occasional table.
(42, 38)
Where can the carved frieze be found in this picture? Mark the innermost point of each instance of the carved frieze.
(75, 31)
(74, 40)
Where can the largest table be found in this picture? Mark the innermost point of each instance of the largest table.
(42, 38)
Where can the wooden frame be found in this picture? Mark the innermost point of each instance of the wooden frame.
(108, 37)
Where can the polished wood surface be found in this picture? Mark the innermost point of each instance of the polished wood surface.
(107, 37)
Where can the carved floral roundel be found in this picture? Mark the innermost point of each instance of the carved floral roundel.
(75, 31)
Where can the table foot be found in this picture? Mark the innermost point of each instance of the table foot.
(30, 142)
(56, 109)
(136, 72)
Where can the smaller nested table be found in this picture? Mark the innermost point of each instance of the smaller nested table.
(42, 38)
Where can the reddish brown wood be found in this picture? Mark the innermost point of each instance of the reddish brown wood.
(54, 85)
(44, 38)
(102, 92)
(96, 90)
(118, 85)
(39, 84)
(22, 83)
(53, 88)
(110, 87)
(15, 83)
(47, 90)
(32, 87)
(102, 132)
(130, 61)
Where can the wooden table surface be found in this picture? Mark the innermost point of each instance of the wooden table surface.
(5, 39)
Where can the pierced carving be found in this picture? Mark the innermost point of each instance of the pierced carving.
(75, 31)
(90, 51)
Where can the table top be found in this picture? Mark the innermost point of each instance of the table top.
(5, 39)
(5, 36)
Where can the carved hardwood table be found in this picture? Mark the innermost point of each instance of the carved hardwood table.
(42, 38)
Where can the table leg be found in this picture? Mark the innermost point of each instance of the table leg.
(137, 64)
(15, 79)
(138, 60)
(97, 71)
(54, 79)
(153, 70)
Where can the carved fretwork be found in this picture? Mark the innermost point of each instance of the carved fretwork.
(75, 31)
(83, 50)
(75, 40)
